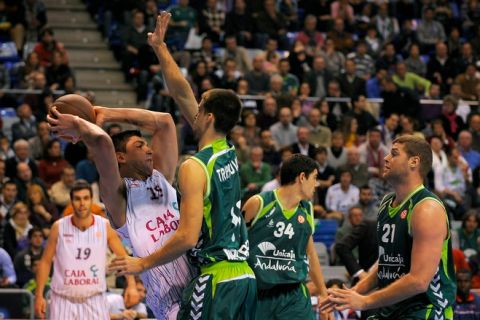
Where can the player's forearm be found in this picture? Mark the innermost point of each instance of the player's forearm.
(317, 277)
(404, 288)
(145, 119)
(90, 133)
(130, 281)
(369, 283)
(177, 85)
(177, 245)
(41, 278)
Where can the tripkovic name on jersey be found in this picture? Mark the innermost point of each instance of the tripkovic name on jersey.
(228, 170)
(161, 225)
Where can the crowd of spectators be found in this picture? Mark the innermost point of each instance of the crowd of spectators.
(337, 81)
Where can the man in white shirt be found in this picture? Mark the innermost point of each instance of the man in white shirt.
(341, 196)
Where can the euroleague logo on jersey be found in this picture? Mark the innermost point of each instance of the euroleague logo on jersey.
(301, 219)
(403, 215)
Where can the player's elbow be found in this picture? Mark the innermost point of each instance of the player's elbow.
(420, 284)
(187, 239)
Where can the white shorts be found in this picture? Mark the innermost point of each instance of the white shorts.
(62, 308)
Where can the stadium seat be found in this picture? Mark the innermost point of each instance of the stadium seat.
(325, 232)
(322, 253)
(335, 272)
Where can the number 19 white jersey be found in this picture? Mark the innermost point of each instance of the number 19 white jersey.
(80, 257)
(151, 219)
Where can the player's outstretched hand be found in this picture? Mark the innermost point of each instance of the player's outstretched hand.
(40, 307)
(63, 125)
(326, 305)
(157, 37)
(126, 265)
(341, 299)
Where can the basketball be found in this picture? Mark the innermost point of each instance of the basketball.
(76, 105)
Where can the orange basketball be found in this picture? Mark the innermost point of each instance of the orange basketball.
(76, 105)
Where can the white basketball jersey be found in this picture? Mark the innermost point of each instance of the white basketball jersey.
(152, 218)
(80, 258)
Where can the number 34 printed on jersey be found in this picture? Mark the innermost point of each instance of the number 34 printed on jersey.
(283, 230)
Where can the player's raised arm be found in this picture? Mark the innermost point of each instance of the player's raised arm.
(178, 86)
(159, 124)
(97, 140)
(44, 266)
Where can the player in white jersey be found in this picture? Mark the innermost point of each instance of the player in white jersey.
(135, 185)
(78, 246)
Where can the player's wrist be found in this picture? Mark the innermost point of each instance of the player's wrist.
(145, 264)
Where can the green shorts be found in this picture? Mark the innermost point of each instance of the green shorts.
(288, 301)
(224, 290)
(428, 313)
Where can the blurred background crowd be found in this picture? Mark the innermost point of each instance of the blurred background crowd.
(334, 80)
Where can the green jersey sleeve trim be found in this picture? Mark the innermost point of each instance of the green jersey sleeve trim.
(310, 217)
(257, 214)
(207, 176)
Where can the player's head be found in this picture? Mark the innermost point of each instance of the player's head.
(134, 156)
(81, 199)
(410, 156)
(301, 170)
(219, 110)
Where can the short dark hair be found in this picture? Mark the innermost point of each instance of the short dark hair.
(225, 106)
(113, 126)
(321, 149)
(294, 166)
(9, 182)
(334, 282)
(417, 147)
(80, 185)
(465, 271)
(120, 139)
(32, 231)
(365, 186)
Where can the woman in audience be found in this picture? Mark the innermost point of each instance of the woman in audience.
(469, 234)
(51, 167)
(43, 212)
(349, 128)
(15, 234)
(251, 131)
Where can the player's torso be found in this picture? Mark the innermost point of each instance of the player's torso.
(152, 213)
(80, 257)
(278, 242)
(224, 234)
(395, 248)
(152, 218)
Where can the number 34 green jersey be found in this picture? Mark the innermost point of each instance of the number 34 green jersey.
(278, 242)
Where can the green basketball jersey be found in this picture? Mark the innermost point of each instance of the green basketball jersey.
(278, 242)
(394, 256)
(224, 234)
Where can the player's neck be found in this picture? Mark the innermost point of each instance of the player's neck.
(289, 196)
(403, 190)
(209, 137)
(83, 223)
(131, 174)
